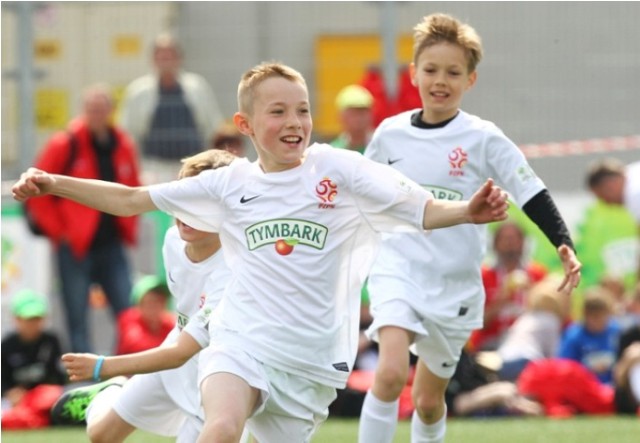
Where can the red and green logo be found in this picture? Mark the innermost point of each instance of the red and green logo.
(286, 234)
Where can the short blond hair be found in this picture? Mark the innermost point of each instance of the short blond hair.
(255, 76)
(443, 28)
(202, 161)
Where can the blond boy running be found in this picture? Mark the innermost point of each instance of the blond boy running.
(427, 292)
(299, 229)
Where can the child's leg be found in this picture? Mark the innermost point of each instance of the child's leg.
(228, 401)
(379, 415)
(439, 353)
(109, 427)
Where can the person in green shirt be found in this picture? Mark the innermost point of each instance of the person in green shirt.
(354, 104)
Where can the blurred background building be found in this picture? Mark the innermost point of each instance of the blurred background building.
(560, 78)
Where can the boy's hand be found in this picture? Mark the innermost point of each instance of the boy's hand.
(79, 366)
(488, 204)
(572, 267)
(32, 183)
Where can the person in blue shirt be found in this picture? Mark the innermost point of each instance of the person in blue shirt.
(593, 342)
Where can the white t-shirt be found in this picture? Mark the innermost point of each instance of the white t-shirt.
(439, 275)
(632, 189)
(534, 335)
(192, 284)
(297, 312)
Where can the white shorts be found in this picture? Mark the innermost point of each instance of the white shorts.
(144, 403)
(290, 408)
(190, 429)
(439, 347)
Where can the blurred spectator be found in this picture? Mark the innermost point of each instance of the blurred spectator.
(90, 245)
(229, 138)
(627, 372)
(506, 285)
(170, 113)
(146, 324)
(31, 373)
(616, 184)
(354, 104)
(593, 342)
(607, 243)
(537, 332)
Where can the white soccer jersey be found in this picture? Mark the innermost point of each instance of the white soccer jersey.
(299, 243)
(191, 284)
(439, 275)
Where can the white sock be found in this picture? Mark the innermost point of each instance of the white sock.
(378, 420)
(102, 402)
(424, 433)
(634, 380)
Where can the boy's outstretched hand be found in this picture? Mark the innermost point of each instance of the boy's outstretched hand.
(32, 183)
(572, 267)
(79, 366)
(488, 204)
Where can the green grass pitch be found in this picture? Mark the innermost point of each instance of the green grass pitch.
(490, 430)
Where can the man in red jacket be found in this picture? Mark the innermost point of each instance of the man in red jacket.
(90, 246)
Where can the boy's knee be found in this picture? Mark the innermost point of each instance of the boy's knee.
(428, 406)
(392, 379)
(223, 430)
(108, 431)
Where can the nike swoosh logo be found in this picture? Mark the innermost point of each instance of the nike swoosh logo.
(390, 161)
(245, 200)
(448, 364)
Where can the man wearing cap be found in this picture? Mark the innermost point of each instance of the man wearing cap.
(146, 324)
(354, 104)
(30, 364)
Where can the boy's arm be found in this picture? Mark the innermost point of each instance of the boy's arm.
(488, 204)
(111, 198)
(542, 210)
(82, 366)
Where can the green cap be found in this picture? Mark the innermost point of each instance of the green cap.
(29, 304)
(146, 284)
(354, 96)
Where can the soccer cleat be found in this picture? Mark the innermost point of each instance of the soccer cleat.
(71, 407)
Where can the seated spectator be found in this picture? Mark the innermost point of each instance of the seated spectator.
(505, 285)
(627, 372)
(146, 324)
(32, 376)
(565, 388)
(535, 334)
(593, 342)
(228, 138)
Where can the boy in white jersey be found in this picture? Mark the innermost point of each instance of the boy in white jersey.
(165, 403)
(299, 231)
(426, 292)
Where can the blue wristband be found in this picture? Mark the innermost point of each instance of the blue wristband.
(96, 370)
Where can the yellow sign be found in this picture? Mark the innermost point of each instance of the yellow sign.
(52, 108)
(126, 45)
(47, 49)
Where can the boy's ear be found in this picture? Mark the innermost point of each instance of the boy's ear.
(412, 74)
(473, 77)
(242, 123)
